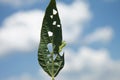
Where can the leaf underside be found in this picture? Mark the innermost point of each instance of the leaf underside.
(51, 32)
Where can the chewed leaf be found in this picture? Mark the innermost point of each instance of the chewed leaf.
(51, 42)
(54, 12)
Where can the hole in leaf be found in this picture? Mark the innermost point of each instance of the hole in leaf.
(50, 33)
(54, 56)
(54, 12)
(51, 16)
(54, 22)
(49, 46)
(58, 25)
(61, 53)
(48, 55)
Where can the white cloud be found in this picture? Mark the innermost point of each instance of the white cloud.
(86, 56)
(103, 35)
(18, 3)
(21, 31)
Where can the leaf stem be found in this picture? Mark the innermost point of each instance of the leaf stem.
(53, 78)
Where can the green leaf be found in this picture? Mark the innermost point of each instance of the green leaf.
(51, 33)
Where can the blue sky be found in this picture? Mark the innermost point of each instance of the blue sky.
(90, 28)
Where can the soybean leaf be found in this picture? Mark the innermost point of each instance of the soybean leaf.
(51, 33)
